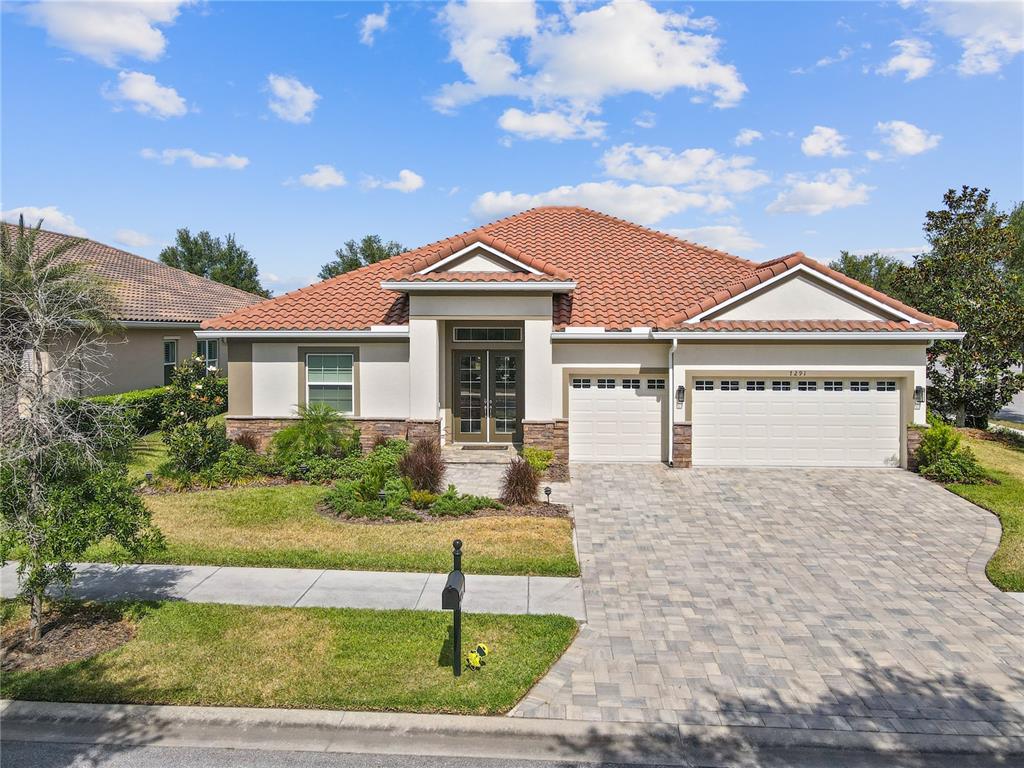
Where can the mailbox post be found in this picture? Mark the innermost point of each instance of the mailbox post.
(451, 600)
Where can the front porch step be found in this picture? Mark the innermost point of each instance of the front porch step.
(478, 454)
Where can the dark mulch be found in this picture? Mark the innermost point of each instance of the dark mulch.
(557, 473)
(538, 509)
(70, 633)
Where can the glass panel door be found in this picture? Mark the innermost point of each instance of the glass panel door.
(469, 396)
(505, 379)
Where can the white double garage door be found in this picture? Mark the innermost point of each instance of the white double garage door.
(741, 421)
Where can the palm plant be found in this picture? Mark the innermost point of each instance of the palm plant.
(320, 431)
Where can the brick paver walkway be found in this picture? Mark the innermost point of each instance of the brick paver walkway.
(830, 599)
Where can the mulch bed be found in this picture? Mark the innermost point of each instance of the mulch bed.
(557, 473)
(70, 633)
(538, 509)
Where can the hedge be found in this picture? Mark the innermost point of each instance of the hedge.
(143, 407)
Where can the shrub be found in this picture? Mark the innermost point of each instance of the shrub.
(195, 394)
(1012, 436)
(451, 504)
(937, 441)
(320, 431)
(346, 498)
(195, 446)
(236, 464)
(422, 499)
(378, 441)
(961, 466)
(248, 440)
(424, 466)
(538, 458)
(520, 484)
(143, 408)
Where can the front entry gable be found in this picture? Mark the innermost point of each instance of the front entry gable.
(479, 257)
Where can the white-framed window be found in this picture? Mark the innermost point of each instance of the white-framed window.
(580, 383)
(703, 385)
(807, 386)
(330, 380)
(833, 386)
(729, 385)
(606, 383)
(755, 386)
(488, 334)
(655, 383)
(207, 349)
(885, 386)
(631, 383)
(170, 358)
(860, 386)
(781, 386)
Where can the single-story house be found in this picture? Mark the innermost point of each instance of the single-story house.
(159, 309)
(571, 330)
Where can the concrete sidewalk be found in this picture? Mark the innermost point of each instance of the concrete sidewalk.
(307, 588)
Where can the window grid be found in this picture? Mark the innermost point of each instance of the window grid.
(781, 386)
(755, 386)
(859, 386)
(807, 386)
(655, 383)
(703, 385)
(833, 386)
(329, 380)
(488, 334)
(631, 383)
(581, 383)
(606, 383)
(730, 385)
(170, 358)
(885, 386)
(207, 349)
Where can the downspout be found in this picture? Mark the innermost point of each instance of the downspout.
(671, 400)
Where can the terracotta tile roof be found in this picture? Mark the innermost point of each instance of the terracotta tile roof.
(713, 326)
(770, 269)
(482, 277)
(627, 276)
(147, 290)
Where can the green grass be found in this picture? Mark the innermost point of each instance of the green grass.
(1005, 499)
(320, 658)
(279, 526)
(150, 452)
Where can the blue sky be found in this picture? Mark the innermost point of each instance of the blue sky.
(760, 128)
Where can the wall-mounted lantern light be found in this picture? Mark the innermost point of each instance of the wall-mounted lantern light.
(681, 394)
(918, 394)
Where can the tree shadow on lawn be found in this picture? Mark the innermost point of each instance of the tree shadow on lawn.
(899, 718)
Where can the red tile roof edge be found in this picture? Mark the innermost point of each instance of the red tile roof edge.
(774, 267)
(480, 277)
(825, 326)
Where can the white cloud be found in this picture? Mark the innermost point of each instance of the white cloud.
(723, 237)
(636, 202)
(818, 194)
(873, 154)
(824, 141)
(746, 137)
(550, 125)
(195, 159)
(913, 58)
(700, 169)
(372, 24)
(291, 100)
(323, 176)
(991, 34)
(825, 61)
(146, 95)
(106, 31)
(550, 56)
(645, 119)
(906, 138)
(132, 238)
(407, 181)
(53, 219)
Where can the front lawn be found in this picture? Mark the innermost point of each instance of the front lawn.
(1006, 499)
(320, 658)
(280, 527)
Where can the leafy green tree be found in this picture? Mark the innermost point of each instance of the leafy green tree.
(61, 460)
(223, 262)
(194, 395)
(353, 255)
(1016, 224)
(965, 278)
(872, 269)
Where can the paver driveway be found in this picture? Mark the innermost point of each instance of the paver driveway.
(836, 599)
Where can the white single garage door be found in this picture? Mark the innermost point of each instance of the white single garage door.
(825, 422)
(616, 418)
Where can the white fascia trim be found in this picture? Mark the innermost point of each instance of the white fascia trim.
(804, 335)
(156, 324)
(600, 336)
(814, 274)
(478, 246)
(399, 332)
(483, 285)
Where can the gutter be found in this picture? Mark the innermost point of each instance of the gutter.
(401, 332)
(489, 286)
(810, 335)
(672, 400)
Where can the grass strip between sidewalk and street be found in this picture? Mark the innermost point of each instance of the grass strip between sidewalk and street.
(314, 658)
(279, 526)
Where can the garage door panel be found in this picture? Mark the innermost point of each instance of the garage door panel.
(796, 428)
(616, 424)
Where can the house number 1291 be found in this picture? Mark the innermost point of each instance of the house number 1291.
(798, 373)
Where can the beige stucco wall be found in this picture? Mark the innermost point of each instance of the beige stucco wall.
(455, 305)
(800, 298)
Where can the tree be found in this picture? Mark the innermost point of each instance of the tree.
(965, 278)
(61, 459)
(223, 262)
(353, 255)
(872, 269)
(1016, 224)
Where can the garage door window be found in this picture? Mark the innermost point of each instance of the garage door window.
(859, 386)
(631, 383)
(833, 386)
(581, 383)
(655, 383)
(606, 383)
(886, 386)
(730, 385)
(703, 385)
(755, 386)
(807, 386)
(780, 386)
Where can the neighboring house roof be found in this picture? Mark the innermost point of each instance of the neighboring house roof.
(626, 276)
(146, 290)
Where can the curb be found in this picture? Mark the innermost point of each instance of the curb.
(457, 735)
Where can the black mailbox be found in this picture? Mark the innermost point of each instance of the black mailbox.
(454, 589)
